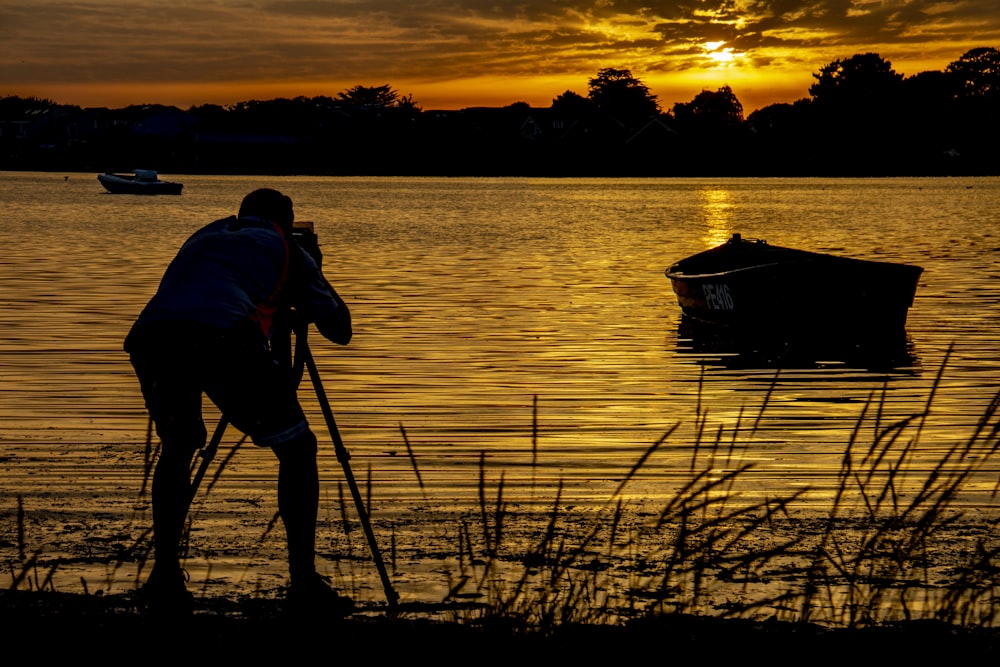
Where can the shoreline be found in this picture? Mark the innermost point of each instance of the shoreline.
(65, 624)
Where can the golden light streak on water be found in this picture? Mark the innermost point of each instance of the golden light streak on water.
(717, 214)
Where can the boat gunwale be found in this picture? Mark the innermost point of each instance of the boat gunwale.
(678, 275)
(673, 273)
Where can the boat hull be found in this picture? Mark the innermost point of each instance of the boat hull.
(129, 185)
(755, 287)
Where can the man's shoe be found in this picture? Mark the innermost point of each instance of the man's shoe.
(164, 592)
(313, 595)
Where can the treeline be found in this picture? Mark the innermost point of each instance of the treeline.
(861, 118)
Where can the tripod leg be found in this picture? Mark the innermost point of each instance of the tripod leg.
(344, 457)
(208, 454)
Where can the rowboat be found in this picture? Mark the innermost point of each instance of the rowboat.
(139, 182)
(753, 286)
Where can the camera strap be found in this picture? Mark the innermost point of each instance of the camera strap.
(266, 309)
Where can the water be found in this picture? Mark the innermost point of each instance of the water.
(479, 303)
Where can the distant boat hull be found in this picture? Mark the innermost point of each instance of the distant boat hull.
(752, 286)
(141, 182)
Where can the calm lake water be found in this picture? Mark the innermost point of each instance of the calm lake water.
(479, 303)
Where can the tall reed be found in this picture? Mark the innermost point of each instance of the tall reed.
(709, 551)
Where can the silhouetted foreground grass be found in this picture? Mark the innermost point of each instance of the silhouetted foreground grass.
(112, 629)
(892, 569)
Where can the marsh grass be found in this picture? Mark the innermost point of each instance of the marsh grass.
(878, 552)
(867, 561)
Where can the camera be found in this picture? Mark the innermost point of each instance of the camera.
(305, 235)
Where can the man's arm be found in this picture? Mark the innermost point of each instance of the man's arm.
(335, 324)
(318, 302)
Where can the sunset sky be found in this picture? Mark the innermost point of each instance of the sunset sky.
(461, 53)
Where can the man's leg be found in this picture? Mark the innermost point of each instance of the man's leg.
(258, 396)
(174, 403)
(256, 393)
(176, 411)
(258, 399)
(298, 503)
(171, 500)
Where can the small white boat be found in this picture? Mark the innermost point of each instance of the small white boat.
(139, 182)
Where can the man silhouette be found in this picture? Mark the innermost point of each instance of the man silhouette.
(208, 329)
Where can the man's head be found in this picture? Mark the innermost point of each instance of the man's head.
(270, 205)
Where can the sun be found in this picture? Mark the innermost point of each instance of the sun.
(723, 56)
(720, 54)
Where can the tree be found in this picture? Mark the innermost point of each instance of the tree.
(619, 94)
(976, 80)
(859, 115)
(572, 104)
(13, 106)
(710, 110)
(977, 72)
(377, 97)
(210, 117)
(858, 80)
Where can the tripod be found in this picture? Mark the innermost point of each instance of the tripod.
(302, 350)
(304, 359)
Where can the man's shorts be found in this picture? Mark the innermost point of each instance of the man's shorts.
(177, 362)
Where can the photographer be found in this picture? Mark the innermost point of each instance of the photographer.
(208, 329)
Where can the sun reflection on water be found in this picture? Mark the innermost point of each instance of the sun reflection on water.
(717, 214)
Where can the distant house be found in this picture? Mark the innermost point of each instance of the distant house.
(151, 121)
(530, 129)
(160, 121)
(34, 128)
(548, 123)
(14, 128)
(655, 131)
(30, 122)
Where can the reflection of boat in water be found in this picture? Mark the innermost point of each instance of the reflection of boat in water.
(752, 286)
(139, 182)
(883, 350)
